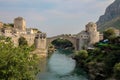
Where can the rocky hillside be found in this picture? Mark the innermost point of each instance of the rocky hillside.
(111, 18)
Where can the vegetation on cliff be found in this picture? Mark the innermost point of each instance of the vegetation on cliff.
(16, 63)
(22, 41)
(103, 62)
(111, 18)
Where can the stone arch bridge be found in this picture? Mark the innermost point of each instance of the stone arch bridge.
(70, 38)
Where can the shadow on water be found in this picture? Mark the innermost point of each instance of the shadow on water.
(66, 52)
(62, 67)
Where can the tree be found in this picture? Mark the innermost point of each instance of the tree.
(8, 39)
(8, 25)
(22, 41)
(117, 71)
(109, 33)
(2, 37)
(83, 54)
(17, 63)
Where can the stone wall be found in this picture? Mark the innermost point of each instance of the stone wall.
(40, 42)
(83, 38)
(1, 24)
(30, 38)
(15, 40)
(94, 37)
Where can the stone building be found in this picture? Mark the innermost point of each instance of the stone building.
(88, 37)
(7, 32)
(20, 30)
(19, 23)
(91, 28)
(32, 31)
(1, 24)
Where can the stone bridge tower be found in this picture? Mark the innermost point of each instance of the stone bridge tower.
(88, 37)
(91, 28)
(40, 42)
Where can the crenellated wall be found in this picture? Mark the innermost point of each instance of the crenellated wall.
(40, 42)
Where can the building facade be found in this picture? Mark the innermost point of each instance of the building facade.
(89, 36)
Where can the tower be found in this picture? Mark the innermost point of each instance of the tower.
(91, 28)
(40, 42)
(19, 23)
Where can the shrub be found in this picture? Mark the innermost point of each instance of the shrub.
(83, 54)
(117, 71)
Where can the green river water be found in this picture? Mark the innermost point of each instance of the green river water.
(60, 67)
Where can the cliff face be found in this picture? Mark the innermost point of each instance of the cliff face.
(111, 16)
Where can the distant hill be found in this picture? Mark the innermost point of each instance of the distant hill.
(111, 18)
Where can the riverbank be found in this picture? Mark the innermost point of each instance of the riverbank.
(103, 62)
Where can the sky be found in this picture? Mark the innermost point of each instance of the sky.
(54, 17)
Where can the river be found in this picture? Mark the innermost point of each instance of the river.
(60, 67)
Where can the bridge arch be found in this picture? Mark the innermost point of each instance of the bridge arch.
(72, 39)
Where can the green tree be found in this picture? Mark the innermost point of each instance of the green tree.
(117, 71)
(2, 37)
(8, 25)
(109, 33)
(17, 63)
(22, 41)
(83, 54)
(8, 39)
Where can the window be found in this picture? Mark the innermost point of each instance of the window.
(81, 36)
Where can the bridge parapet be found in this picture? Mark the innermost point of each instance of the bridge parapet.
(40, 36)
